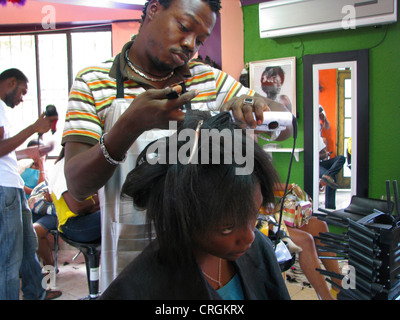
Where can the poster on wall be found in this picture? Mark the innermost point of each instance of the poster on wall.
(276, 80)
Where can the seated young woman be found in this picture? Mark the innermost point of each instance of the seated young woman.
(204, 216)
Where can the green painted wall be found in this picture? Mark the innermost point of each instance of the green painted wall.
(384, 80)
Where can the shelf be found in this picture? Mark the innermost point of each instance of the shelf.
(297, 151)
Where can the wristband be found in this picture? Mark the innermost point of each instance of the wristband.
(107, 156)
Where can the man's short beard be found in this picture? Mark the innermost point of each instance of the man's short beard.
(161, 66)
(10, 98)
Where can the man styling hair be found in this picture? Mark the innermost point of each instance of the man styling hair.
(115, 107)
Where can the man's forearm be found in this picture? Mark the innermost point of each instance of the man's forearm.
(9, 145)
(86, 168)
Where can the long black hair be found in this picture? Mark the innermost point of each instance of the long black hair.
(186, 201)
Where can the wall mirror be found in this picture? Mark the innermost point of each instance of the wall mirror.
(345, 76)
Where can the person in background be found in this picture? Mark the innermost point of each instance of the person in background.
(78, 220)
(308, 257)
(207, 245)
(272, 80)
(45, 220)
(328, 167)
(35, 173)
(114, 107)
(18, 240)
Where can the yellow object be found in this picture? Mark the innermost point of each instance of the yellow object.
(349, 145)
(264, 228)
(334, 293)
(62, 210)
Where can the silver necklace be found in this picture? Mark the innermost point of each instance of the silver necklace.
(132, 66)
(219, 275)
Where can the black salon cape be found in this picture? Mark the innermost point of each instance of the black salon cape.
(146, 278)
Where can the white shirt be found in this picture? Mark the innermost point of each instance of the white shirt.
(8, 163)
(56, 181)
(321, 144)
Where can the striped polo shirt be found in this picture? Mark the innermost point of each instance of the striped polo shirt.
(94, 90)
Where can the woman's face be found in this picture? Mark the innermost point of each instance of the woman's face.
(229, 241)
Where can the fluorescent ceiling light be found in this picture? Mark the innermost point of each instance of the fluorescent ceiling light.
(140, 2)
(113, 3)
(106, 3)
(123, 4)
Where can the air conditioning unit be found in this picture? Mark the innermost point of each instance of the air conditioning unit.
(289, 17)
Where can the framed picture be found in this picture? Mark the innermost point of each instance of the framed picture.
(276, 80)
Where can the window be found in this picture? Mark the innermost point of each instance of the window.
(50, 61)
(345, 114)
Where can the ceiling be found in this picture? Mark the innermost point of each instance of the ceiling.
(118, 4)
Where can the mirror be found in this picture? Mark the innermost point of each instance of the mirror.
(354, 66)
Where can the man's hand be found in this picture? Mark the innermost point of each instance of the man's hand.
(324, 154)
(245, 107)
(43, 124)
(87, 170)
(152, 109)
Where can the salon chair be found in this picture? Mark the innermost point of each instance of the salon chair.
(91, 252)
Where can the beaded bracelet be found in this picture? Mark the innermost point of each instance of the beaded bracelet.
(107, 156)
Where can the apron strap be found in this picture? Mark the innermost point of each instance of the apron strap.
(120, 82)
(188, 105)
